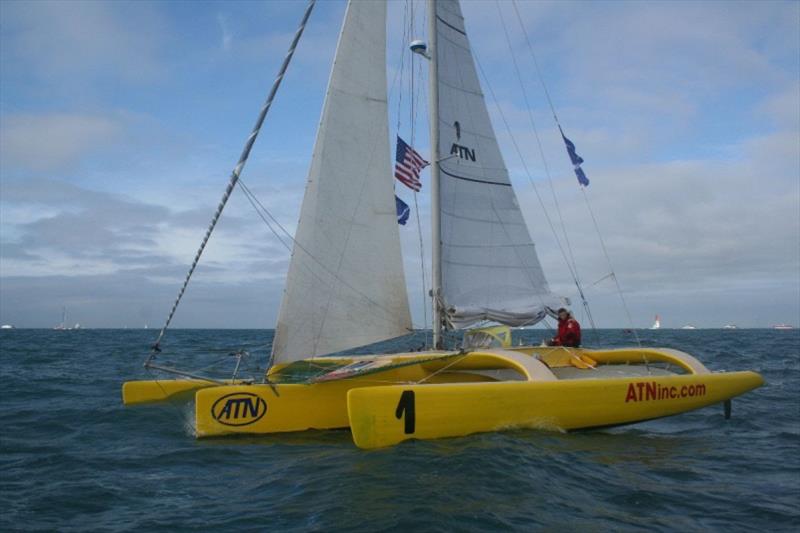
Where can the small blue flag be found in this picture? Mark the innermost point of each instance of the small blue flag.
(576, 160)
(402, 211)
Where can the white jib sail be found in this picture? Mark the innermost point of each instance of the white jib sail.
(490, 270)
(345, 287)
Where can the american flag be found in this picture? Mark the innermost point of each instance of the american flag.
(408, 165)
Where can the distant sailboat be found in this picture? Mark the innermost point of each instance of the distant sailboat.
(657, 323)
(63, 325)
(782, 326)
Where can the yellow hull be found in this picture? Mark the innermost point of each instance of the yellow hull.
(281, 408)
(434, 395)
(151, 391)
(379, 416)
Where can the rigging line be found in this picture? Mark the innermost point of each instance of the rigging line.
(571, 258)
(187, 420)
(237, 170)
(536, 63)
(538, 140)
(444, 368)
(576, 276)
(401, 71)
(410, 29)
(422, 266)
(602, 279)
(413, 116)
(255, 203)
(583, 189)
(527, 172)
(262, 210)
(611, 266)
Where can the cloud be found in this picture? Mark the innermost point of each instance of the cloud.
(678, 229)
(81, 40)
(226, 36)
(86, 232)
(46, 142)
(687, 115)
(628, 66)
(114, 260)
(783, 107)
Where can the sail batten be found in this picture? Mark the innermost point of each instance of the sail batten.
(345, 287)
(490, 270)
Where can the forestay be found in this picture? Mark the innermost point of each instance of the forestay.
(345, 287)
(490, 270)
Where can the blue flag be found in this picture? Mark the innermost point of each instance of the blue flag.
(576, 160)
(402, 211)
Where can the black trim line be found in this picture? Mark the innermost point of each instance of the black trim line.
(473, 179)
(440, 19)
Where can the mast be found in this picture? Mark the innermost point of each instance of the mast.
(436, 239)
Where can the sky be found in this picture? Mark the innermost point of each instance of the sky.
(121, 121)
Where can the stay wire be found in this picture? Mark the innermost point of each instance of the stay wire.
(611, 267)
(236, 173)
(583, 189)
(527, 172)
(413, 122)
(536, 64)
(571, 257)
(267, 216)
(408, 30)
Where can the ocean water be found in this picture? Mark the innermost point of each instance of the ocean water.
(72, 458)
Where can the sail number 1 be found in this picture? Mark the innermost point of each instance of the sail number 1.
(405, 409)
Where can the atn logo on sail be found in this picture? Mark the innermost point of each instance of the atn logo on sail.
(462, 152)
(239, 409)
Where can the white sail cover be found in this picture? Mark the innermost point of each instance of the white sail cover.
(345, 286)
(490, 270)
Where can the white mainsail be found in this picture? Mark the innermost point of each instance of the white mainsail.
(345, 287)
(490, 270)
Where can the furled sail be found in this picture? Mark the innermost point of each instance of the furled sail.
(490, 270)
(345, 286)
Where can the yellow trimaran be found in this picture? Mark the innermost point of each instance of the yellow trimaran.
(346, 287)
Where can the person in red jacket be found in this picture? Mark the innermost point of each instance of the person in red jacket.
(569, 331)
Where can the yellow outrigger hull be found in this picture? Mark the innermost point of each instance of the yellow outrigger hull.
(378, 416)
(153, 391)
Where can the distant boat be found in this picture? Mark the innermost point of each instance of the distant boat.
(63, 325)
(729, 326)
(76, 326)
(782, 326)
(657, 323)
(688, 326)
(6, 326)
